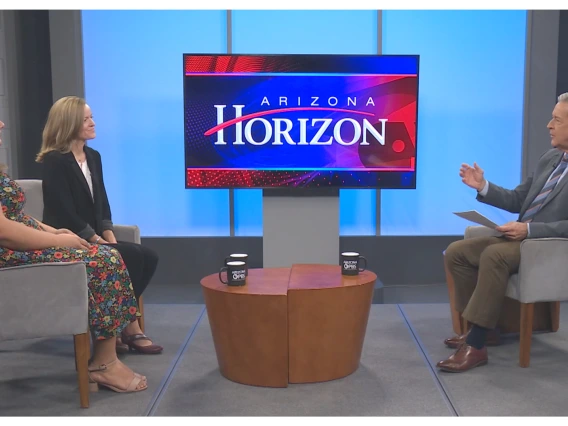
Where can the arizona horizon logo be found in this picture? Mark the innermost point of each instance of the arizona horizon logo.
(300, 121)
(278, 130)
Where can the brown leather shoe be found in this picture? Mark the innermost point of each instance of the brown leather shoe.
(465, 358)
(131, 339)
(455, 341)
(493, 339)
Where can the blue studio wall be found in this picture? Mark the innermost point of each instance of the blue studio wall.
(133, 84)
(470, 109)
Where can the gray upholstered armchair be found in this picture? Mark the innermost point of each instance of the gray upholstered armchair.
(46, 300)
(542, 277)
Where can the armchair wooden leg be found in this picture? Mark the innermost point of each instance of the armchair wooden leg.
(554, 316)
(82, 350)
(141, 318)
(88, 350)
(527, 315)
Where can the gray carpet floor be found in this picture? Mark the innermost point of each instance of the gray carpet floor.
(396, 377)
(375, 389)
(37, 377)
(501, 388)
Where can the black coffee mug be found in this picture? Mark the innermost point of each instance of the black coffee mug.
(236, 274)
(351, 263)
(239, 257)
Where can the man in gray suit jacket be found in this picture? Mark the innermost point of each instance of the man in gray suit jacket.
(481, 266)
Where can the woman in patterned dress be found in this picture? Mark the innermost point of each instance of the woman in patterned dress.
(112, 306)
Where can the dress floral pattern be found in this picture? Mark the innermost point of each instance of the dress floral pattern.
(112, 305)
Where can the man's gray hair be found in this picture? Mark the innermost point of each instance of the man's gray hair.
(563, 97)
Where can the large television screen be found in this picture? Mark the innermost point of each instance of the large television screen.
(300, 121)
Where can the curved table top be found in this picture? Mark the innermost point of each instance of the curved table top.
(277, 281)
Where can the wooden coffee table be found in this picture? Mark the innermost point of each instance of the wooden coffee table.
(302, 324)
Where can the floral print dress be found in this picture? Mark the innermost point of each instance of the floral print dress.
(112, 305)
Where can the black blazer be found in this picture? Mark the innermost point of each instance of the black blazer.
(67, 200)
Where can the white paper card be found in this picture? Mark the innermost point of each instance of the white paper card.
(476, 217)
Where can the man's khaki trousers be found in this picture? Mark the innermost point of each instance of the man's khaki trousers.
(481, 268)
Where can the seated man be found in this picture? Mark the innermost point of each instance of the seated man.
(481, 266)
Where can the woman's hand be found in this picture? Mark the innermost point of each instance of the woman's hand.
(95, 239)
(63, 231)
(74, 241)
(108, 235)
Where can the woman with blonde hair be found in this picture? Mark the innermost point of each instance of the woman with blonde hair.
(75, 197)
(112, 306)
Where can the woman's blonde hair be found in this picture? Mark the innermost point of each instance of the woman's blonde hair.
(64, 123)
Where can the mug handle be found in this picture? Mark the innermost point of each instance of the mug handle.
(224, 268)
(364, 261)
(227, 259)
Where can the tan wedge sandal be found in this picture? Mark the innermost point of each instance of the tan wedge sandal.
(132, 387)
